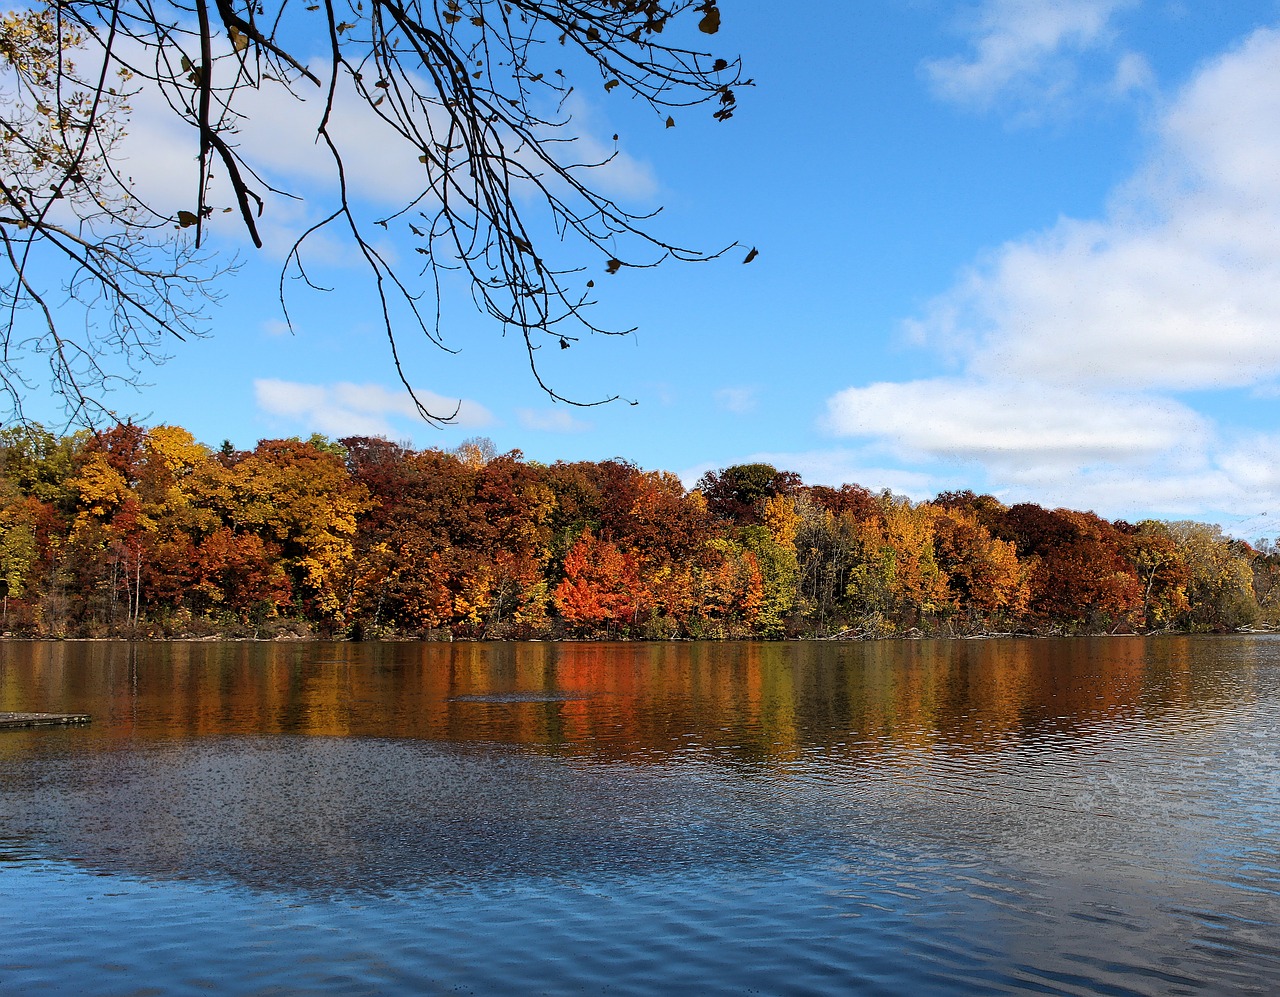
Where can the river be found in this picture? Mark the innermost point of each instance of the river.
(1065, 817)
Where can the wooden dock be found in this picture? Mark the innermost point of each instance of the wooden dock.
(12, 721)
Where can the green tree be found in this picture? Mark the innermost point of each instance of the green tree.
(40, 464)
(735, 493)
(17, 545)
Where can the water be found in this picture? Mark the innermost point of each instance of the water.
(1091, 816)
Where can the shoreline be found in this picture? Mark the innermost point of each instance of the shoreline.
(6, 638)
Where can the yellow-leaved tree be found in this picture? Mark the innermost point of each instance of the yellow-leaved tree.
(300, 499)
(897, 580)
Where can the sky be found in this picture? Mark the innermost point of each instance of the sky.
(1027, 247)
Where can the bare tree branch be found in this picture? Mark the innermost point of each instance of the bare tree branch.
(472, 92)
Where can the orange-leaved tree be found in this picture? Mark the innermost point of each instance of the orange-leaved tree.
(601, 587)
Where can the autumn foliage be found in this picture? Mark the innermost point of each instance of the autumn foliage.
(146, 532)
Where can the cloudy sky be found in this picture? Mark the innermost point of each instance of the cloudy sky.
(1029, 247)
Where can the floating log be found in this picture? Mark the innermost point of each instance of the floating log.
(10, 721)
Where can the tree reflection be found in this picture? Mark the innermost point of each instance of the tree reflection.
(384, 766)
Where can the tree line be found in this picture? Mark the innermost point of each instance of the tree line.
(145, 532)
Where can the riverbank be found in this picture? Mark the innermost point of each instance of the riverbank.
(298, 631)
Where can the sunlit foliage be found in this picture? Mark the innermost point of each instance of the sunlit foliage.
(146, 532)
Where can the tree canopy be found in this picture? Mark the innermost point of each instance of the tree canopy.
(139, 531)
(473, 94)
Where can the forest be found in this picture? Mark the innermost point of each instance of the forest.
(146, 533)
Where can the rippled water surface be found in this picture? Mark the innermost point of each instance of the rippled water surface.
(967, 817)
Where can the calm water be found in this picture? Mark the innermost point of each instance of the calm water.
(967, 817)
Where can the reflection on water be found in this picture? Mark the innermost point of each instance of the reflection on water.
(1065, 816)
(753, 702)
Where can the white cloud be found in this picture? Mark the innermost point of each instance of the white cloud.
(1133, 74)
(1029, 49)
(1070, 342)
(1178, 287)
(346, 409)
(279, 131)
(1012, 424)
(833, 467)
(611, 169)
(739, 401)
(277, 136)
(1231, 481)
(289, 397)
(1241, 480)
(551, 420)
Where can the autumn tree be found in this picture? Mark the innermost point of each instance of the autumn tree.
(825, 551)
(108, 534)
(471, 95)
(732, 591)
(382, 468)
(36, 502)
(1266, 579)
(237, 572)
(300, 499)
(1162, 572)
(17, 545)
(1079, 572)
(848, 499)
(411, 572)
(667, 530)
(896, 580)
(615, 486)
(138, 506)
(735, 493)
(600, 591)
(141, 530)
(987, 510)
(773, 544)
(602, 496)
(511, 533)
(988, 585)
(457, 539)
(1220, 579)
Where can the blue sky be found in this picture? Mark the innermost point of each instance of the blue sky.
(1029, 247)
